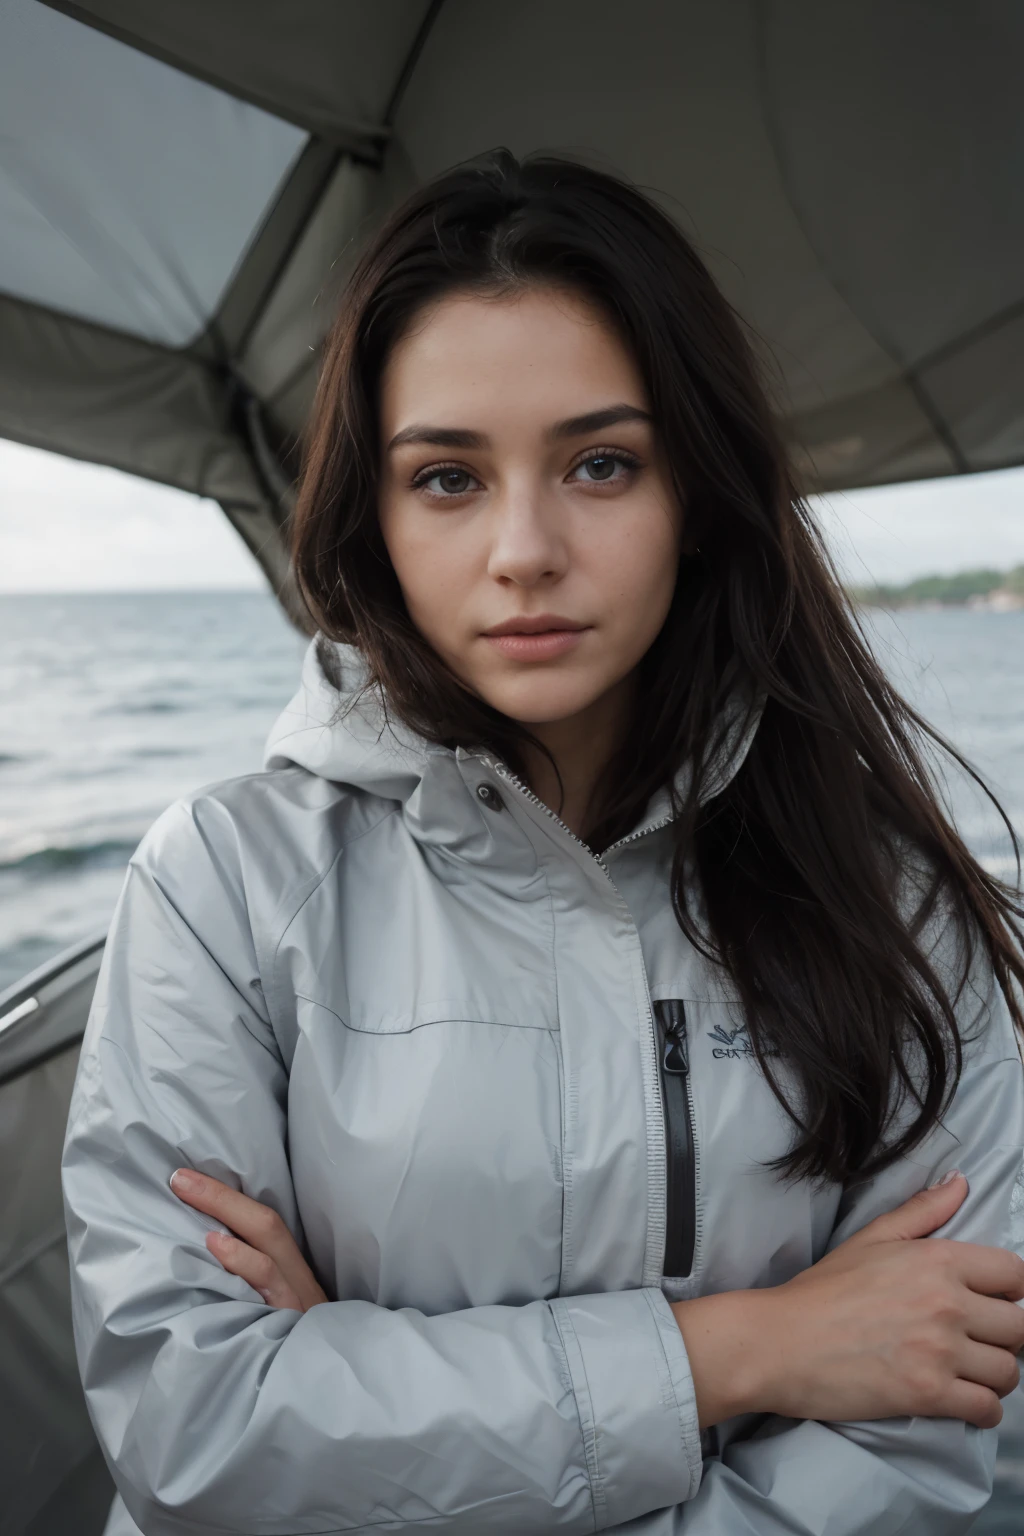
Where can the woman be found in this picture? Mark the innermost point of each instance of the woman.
(567, 1042)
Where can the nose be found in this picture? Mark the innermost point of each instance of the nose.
(528, 546)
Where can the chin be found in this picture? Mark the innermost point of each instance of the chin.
(539, 699)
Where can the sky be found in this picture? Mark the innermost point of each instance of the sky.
(72, 527)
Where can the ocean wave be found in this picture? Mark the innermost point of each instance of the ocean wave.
(110, 853)
(145, 707)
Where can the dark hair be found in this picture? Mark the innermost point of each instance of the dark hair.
(820, 864)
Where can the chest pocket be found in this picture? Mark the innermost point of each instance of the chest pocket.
(680, 1137)
(753, 1227)
(426, 1152)
(515, 1008)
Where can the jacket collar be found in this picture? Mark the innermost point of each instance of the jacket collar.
(345, 735)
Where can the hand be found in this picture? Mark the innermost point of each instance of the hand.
(887, 1324)
(262, 1251)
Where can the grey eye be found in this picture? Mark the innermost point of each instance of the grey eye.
(451, 482)
(600, 468)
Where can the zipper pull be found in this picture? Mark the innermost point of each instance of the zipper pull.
(675, 1056)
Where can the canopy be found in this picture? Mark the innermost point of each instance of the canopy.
(182, 188)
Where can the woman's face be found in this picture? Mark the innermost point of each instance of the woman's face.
(525, 501)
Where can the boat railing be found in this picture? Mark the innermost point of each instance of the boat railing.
(52, 1474)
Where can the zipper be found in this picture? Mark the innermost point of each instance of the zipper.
(680, 1142)
(653, 1078)
(527, 793)
(516, 783)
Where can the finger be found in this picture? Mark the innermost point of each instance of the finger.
(989, 1367)
(986, 1270)
(973, 1403)
(255, 1268)
(991, 1320)
(214, 1198)
(257, 1225)
(923, 1213)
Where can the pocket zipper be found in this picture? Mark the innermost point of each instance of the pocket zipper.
(680, 1145)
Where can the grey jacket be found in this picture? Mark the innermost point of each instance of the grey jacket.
(381, 988)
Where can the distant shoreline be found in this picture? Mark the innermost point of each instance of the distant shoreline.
(981, 591)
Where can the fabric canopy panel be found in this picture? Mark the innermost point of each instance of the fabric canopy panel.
(97, 217)
(182, 189)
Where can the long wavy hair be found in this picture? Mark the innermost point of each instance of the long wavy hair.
(825, 868)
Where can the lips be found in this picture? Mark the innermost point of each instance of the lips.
(541, 637)
(536, 624)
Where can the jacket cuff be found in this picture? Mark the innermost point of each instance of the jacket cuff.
(636, 1401)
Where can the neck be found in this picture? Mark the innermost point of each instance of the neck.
(582, 747)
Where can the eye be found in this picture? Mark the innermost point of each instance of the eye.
(603, 468)
(444, 481)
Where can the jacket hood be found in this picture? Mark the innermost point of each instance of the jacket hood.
(345, 735)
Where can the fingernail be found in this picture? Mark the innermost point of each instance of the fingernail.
(947, 1178)
(183, 1179)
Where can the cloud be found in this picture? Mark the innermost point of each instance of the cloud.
(72, 527)
(897, 532)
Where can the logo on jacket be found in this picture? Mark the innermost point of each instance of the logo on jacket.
(732, 1043)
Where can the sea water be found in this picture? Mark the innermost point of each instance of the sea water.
(112, 706)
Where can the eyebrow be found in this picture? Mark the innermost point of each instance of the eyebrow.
(573, 426)
(439, 437)
(596, 421)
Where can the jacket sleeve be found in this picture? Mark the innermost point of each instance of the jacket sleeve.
(894, 1475)
(218, 1413)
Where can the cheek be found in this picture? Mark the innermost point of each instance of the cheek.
(635, 566)
(432, 565)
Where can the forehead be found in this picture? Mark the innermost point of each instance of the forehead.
(544, 351)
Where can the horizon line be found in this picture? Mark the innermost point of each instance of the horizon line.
(135, 591)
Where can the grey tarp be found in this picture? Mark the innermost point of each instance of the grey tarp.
(181, 189)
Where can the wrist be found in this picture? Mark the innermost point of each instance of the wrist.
(729, 1342)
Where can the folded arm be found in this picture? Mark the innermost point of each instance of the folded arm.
(220, 1412)
(834, 1468)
